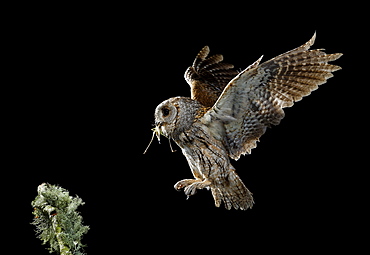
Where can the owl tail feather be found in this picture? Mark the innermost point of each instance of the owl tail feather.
(232, 192)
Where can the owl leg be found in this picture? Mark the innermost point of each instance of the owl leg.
(192, 188)
(184, 183)
(191, 185)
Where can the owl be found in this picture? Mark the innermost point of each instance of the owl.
(229, 111)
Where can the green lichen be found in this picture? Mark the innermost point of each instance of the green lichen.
(57, 221)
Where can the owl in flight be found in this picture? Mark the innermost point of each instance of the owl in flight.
(229, 111)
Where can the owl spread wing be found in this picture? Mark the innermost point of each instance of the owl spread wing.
(255, 98)
(208, 76)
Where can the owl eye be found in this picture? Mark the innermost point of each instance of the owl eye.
(165, 111)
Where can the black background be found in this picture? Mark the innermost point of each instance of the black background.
(87, 81)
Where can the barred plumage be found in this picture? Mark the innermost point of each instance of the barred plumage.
(208, 77)
(262, 91)
(229, 111)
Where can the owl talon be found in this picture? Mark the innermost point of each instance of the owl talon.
(191, 189)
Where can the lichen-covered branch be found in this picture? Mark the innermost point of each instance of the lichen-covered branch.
(57, 221)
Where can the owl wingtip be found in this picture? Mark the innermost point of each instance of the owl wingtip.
(259, 60)
(312, 40)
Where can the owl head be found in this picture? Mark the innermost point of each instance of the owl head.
(175, 115)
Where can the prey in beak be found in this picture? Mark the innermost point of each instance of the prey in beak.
(157, 132)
